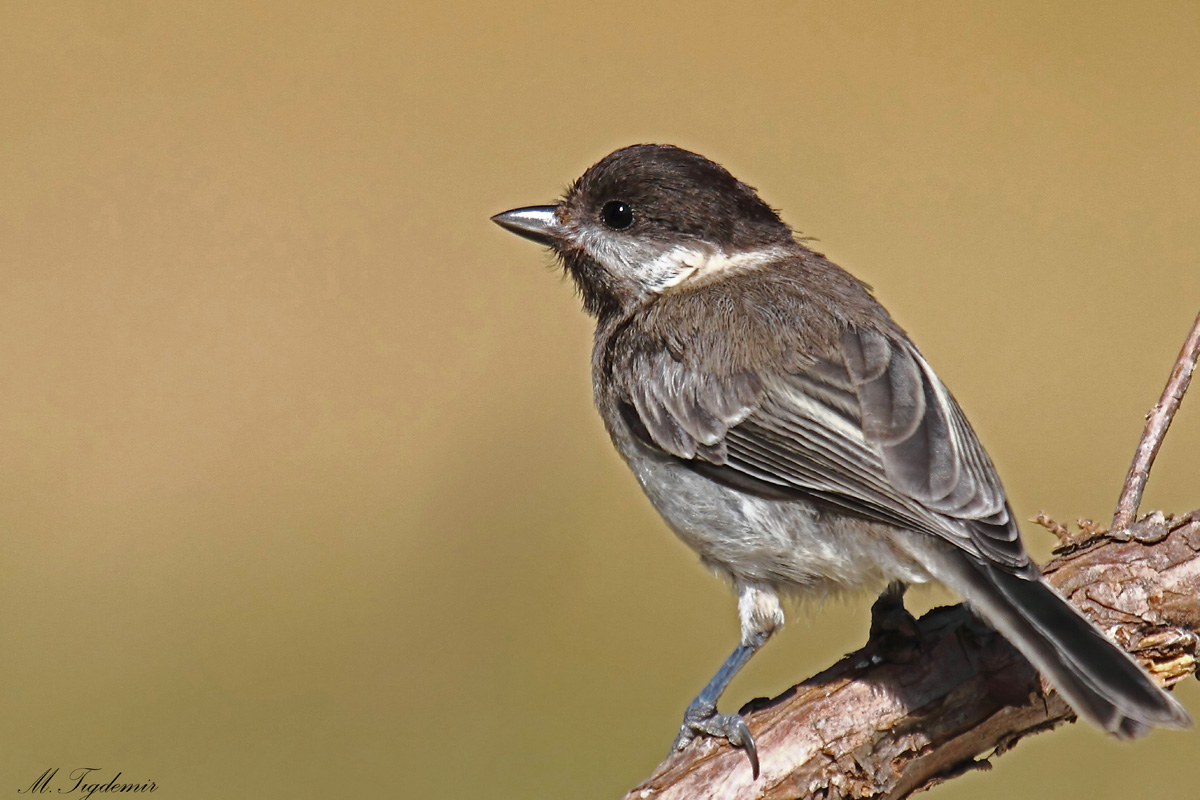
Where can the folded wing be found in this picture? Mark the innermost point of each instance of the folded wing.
(871, 431)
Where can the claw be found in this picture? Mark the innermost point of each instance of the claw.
(730, 727)
(741, 737)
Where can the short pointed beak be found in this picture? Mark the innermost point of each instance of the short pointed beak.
(535, 222)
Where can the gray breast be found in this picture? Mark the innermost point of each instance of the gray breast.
(791, 544)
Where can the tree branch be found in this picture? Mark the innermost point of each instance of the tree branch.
(872, 728)
(1157, 422)
(885, 724)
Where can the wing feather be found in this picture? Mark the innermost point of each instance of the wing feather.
(871, 430)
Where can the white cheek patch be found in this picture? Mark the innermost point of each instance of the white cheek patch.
(683, 263)
(650, 270)
(619, 257)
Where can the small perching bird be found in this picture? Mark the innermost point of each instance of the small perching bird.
(788, 430)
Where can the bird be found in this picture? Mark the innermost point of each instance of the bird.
(788, 430)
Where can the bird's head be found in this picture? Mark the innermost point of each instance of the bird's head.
(648, 218)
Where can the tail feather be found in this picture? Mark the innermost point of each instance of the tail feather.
(1098, 679)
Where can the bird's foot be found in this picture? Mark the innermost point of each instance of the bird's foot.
(702, 719)
(895, 634)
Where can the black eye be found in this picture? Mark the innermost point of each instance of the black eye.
(617, 214)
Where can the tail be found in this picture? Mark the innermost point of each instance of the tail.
(1099, 680)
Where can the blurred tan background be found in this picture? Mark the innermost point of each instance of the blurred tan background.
(301, 490)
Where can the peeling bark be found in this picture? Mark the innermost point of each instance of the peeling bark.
(885, 725)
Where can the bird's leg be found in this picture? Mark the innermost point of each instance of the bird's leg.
(894, 631)
(701, 716)
(761, 615)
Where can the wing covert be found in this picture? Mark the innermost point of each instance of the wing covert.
(875, 433)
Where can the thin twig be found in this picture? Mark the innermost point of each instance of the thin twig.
(1157, 422)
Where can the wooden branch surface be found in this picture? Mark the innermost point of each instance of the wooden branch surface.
(872, 727)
